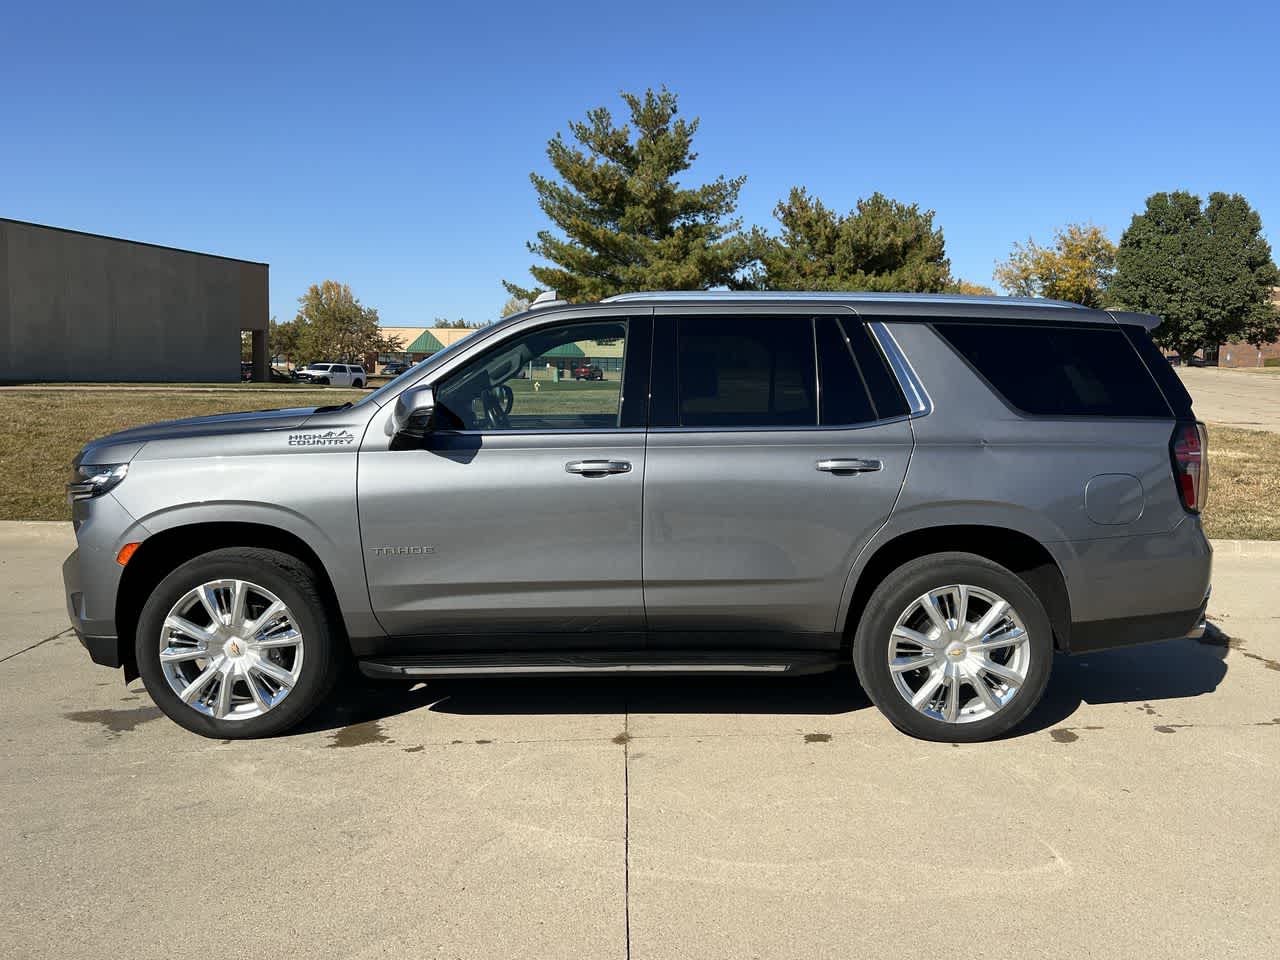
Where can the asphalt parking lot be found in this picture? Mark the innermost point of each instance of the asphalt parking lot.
(1134, 815)
(1237, 398)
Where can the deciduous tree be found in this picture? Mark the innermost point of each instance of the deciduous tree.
(334, 325)
(514, 305)
(1077, 267)
(882, 244)
(284, 339)
(1205, 269)
(623, 221)
(971, 289)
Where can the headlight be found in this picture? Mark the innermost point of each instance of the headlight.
(90, 480)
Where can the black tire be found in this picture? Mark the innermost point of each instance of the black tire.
(290, 580)
(359, 384)
(895, 594)
(323, 381)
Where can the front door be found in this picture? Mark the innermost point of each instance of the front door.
(517, 524)
(778, 445)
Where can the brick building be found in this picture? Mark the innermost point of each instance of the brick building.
(1246, 354)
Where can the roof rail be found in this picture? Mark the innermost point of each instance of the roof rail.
(712, 296)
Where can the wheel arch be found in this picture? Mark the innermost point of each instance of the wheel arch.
(1016, 551)
(160, 553)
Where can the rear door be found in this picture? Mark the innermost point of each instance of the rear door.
(778, 444)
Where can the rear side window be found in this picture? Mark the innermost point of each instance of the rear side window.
(745, 372)
(843, 395)
(1177, 395)
(886, 396)
(1060, 371)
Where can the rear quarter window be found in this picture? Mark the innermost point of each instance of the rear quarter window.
(1072, 371)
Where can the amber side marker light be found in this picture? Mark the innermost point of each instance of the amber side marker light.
(127, 551)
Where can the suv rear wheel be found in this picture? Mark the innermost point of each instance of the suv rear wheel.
(954, 647)
(236, 643)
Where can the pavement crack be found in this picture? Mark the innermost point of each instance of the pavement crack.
(60, 633)
(626, 820)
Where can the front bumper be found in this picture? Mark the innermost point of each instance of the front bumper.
(97, 636)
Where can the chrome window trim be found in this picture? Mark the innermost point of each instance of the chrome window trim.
(918, 401)
(581, 431)
(818, 428)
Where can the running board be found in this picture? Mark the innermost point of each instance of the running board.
(649, 662)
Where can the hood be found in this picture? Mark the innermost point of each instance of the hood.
(123, 446)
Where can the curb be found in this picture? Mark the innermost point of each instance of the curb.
(1247, 548)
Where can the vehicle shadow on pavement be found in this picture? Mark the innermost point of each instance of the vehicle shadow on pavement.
(1174, 669)
(1168, 670)
(359, 700)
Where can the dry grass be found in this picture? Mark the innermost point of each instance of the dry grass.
(41, 431)
(1244, 484)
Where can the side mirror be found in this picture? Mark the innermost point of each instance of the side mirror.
(412, 417)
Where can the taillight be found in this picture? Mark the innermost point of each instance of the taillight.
(1190, 450)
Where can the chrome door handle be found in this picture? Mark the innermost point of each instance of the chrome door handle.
(849, 466)
(597, 468)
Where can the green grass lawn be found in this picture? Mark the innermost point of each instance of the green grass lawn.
(41, 431)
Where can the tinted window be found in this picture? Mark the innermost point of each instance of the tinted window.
(843, 394)
(745, 372)
(1174, 391)
(527, 382)
(886, 394)
(1060, 371)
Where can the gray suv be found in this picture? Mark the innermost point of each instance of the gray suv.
(944, 490)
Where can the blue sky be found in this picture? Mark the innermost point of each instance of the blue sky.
(389, 145)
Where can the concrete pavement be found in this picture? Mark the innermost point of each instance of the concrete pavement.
(1236, 398)
(1133, 816)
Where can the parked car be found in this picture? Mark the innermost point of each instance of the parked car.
(587, 371)
(394, 368)
(943, 491)
(333, 374)
(274, 374)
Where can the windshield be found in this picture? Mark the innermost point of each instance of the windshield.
(381, 395)
(318, 366)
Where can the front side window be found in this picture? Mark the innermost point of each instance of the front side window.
(745, 372)
(564, 377)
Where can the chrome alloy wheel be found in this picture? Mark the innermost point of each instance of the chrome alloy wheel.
(959, 654)
(231, 649)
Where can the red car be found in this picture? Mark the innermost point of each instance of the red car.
(587, 371)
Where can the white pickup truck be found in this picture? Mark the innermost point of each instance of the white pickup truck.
(335, 374)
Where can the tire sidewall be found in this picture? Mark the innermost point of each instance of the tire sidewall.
(289, 580)
(912, 580)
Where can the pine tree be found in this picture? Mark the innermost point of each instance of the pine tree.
(625, 222)
(882, 244)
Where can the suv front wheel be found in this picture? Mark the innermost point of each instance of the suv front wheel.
(236, 643)
(954, 647)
